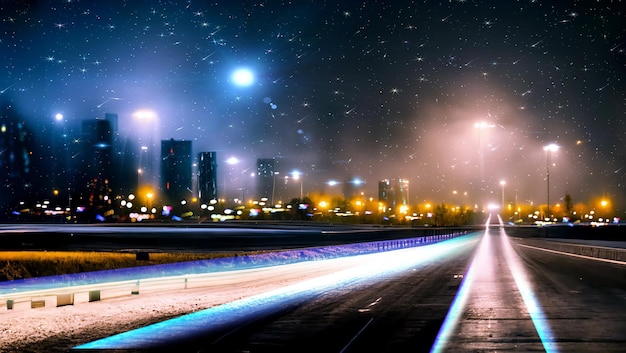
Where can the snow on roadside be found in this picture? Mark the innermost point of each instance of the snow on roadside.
(59, 329)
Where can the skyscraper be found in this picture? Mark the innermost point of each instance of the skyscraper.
(265, 170)
(176, 171)
(393, 192)
(124, 164)
(16, 144)
(207, 177)
(95, 175)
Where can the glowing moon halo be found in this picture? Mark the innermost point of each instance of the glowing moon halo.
(242, 77)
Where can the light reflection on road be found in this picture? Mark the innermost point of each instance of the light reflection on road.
(486, 310)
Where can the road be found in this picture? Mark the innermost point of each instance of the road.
(190, 237)
(489, 292)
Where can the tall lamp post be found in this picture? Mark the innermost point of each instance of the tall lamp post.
(145, 122)
(298, 176)
(139, 172)
(549, 149)
(502, 183)
(481, 126)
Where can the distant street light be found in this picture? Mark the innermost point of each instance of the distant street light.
(604, 203)
(549, 149)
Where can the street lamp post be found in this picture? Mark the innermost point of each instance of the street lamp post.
(232, 161)
(298, 176)
(549, 149)
(481, 126)
(139, 172)
(502, 183)
(274, 187)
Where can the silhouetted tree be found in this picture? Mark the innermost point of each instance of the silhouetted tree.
(441, 213)
(569, 205)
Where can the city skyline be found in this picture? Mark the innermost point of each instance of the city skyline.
(238, 187)
(453, 97)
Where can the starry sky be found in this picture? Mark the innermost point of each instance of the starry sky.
(345, 89)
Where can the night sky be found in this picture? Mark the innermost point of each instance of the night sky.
(345, 89)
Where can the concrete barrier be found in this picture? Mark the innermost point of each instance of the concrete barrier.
(94, 296)
(34, 304)
(81, 297)
(65, 299)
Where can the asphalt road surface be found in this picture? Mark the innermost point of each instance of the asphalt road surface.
(492, 294)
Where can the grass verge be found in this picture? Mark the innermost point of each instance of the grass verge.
(26, 264)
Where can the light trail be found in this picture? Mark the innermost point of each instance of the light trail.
(373, 267)
(457, 308)
(537, 315)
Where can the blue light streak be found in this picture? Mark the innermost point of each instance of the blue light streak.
(377, 265)
(460, 299)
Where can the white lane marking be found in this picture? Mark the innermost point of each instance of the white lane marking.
(368, 308)
(575, 255)
(357, 335)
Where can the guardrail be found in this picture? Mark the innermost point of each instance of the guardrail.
(57, 297)
(601, 252)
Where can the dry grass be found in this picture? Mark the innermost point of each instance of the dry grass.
(26, 264)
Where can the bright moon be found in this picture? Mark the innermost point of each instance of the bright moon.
(243, 77)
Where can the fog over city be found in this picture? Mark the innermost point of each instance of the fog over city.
(455, 96)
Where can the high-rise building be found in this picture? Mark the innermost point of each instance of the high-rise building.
(265, 171)
(95, 175)
(207, 177)
(176, 171)
(125, 166)
(393, 192)
(16, 144)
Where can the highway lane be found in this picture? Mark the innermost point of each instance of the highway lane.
(584, 299)
(497, 296)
